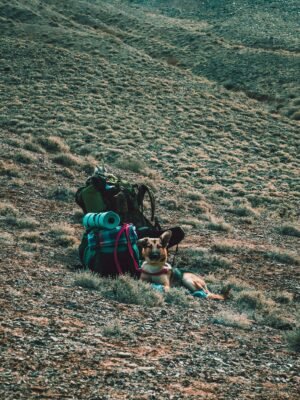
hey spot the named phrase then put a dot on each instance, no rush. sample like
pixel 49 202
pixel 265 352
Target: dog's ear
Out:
pixel 165 238
pixel 142 242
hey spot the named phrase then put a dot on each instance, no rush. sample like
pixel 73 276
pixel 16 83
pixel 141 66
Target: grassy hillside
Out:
pixel 246 45
pixel 143 88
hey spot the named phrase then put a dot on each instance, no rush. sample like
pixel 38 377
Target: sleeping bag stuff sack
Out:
pixel 111 252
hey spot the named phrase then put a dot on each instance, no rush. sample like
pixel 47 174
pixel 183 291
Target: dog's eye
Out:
pixel 149 246
pixel 159 246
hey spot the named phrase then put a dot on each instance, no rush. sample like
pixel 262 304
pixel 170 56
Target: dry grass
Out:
pixel 63 235
pixel 66 160
pixel 218 225
pixel 7 209
pixel 282 257
pixel 21 222
pixel 53 144
pixel 229 318
pixel 180 298
pixel 71 89
pixel 88 280
pixel 24 157
pixel 115 329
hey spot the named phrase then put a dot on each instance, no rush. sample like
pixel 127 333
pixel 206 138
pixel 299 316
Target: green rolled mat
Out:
pixel 105 220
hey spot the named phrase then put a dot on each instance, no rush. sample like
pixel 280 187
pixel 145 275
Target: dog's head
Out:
pixel 155 249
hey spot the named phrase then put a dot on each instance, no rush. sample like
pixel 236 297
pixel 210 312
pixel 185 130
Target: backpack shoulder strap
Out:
pixel 142 190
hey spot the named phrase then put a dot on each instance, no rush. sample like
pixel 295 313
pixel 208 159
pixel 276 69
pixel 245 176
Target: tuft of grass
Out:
pixel 133 165
pixel 115 330
pixel 237 285
pixel 275 319
pixel 53 144
pixel 125 289
pixel 293 340
pixel 289 230
pixel 282 257
pixel 253 300
pixel 200 260
pixel 9 170
pixel 282 297
pixel 224 246
pixel 229 318
pixel 88 280
pixel 63 235
pixel 296 116
pixel 6 238
pixel 171 60
pixel 67 160
pixel 62 194
pixel 194 196
pixel 201 207
pixel 34 147
pixel 22 223
pixel 179 297
pixel 218 225
pixel 194 222
pixel 8 209
pixel 32 237
pixel 243 211
pixel 24 157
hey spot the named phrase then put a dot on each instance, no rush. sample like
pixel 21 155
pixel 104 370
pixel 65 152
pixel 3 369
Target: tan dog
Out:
pixel 195 283
pixel 155 268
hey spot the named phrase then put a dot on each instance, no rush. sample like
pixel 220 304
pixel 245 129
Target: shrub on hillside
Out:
pixel 22 223
pixel 125 289
pixel 133 165
pixel 88 280
pixel 282 257
pixel 289 230
pixel 293 339
pixel 253 300
pixel 67 160
pixel 179 297
pixel 24 157
pixel 53 144
pixel 8 209
pixel 229 318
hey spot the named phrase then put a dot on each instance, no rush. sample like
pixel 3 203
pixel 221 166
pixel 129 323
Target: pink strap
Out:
pixel 130 249
pixel 124 228
pixel 116 250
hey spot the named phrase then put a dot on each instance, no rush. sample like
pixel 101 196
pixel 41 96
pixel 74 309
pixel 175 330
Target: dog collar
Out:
pixel 161 272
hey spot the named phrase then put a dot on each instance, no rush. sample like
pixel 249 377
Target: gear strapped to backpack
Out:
pixel 105 192
pixel 111 252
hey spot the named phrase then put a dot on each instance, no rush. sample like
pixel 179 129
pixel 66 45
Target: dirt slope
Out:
pixel 86 81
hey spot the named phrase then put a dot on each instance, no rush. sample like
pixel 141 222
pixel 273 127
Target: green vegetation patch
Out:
pixel 293 340
pixel 289 230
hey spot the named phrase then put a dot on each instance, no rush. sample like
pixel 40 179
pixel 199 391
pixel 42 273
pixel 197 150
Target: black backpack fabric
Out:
pixel 106 192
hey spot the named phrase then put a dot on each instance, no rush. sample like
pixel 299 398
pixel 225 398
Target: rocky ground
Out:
pixel 77 87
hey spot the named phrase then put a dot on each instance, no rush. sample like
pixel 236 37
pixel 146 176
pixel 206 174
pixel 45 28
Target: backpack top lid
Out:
pixel 102 173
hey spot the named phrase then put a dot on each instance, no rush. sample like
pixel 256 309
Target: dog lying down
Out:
pixel 155 269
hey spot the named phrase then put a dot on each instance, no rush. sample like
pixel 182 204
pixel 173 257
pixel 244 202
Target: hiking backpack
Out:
pixel 111 252
pixel 104 192
pixel 105 251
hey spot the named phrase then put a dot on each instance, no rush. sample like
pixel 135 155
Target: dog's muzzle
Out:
pixel 154 256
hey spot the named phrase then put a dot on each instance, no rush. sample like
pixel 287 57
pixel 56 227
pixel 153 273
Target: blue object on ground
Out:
pixel 158 287
pixel 200 293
